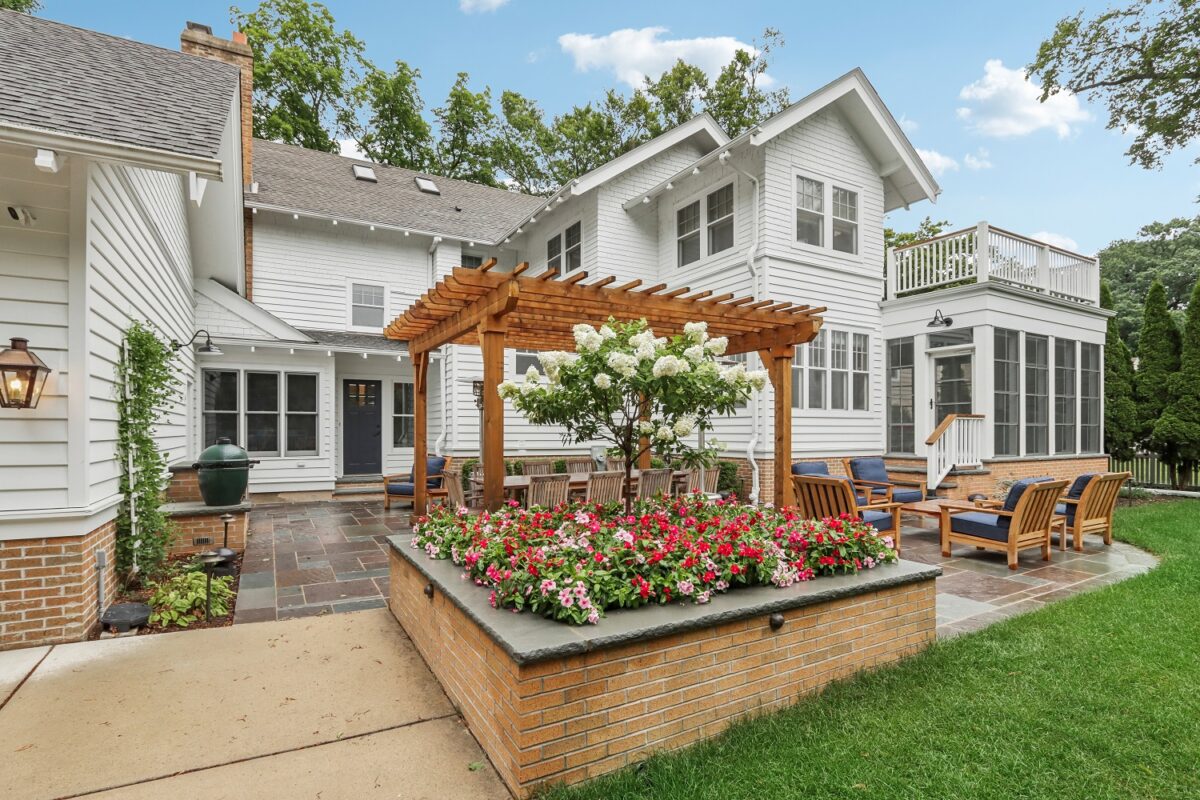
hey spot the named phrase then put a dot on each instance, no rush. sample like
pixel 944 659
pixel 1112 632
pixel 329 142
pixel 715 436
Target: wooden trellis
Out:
pixel 495 310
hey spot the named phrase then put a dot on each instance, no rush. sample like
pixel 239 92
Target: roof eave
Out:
pixel 387 226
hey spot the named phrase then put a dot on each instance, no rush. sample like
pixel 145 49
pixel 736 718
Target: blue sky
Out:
pixel 1020 166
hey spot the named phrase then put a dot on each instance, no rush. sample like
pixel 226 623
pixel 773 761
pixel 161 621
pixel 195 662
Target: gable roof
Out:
pixel 906 178
pixel 292 178
pixel 88 85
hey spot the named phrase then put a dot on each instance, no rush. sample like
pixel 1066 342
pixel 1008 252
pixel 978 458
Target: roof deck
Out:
pixel 987 253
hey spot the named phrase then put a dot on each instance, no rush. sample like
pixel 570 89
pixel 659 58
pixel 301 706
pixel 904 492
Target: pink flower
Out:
pixel 566 598
pixel 548 586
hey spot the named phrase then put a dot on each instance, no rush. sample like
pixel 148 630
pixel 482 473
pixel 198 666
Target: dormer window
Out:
pixel 362 172
pixel 427 186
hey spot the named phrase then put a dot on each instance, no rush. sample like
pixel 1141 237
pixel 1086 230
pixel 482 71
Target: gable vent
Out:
pixel 362 172
pixel 427 186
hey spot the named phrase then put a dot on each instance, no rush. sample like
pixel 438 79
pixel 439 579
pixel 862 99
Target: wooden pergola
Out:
pixel 496 310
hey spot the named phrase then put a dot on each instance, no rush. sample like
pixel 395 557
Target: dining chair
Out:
pixel 710 481
pixel 457 497
pixel 604 487
pixel 548 491
pixel 537 468
pixel 653 483
pixel 576 465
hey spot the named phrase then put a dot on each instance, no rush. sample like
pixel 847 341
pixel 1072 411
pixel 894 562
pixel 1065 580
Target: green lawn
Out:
pixel 1094 697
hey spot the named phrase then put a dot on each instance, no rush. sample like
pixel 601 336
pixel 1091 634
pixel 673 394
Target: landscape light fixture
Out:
pixel 22 375
pixel 206 349
pixel 939 321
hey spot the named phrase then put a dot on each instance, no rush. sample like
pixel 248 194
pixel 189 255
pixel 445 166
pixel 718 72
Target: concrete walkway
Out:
pixel 329 707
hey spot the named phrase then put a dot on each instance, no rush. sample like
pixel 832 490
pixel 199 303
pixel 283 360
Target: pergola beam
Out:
pixel 497 303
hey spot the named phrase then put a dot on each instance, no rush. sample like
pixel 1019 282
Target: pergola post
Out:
pixel 420 441
pixel 778 363
pixel 491 339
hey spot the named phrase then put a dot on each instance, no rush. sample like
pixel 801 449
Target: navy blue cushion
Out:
pixel 1067 510
pixel 869 469
pixel 979 523
pixel 405 489
pixel 1014 496
pixel 434 466
pixel 902 495
pixel 810 468
pixel 1076 490
pixel 880 519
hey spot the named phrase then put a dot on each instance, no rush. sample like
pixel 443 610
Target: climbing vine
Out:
pixel 145 385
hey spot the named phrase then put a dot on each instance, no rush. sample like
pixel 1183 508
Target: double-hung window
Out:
pixel 687 234
pixel 220 405
pixel 1037 394
pixel 798 376
pixel 524 359
pixel 839 370
pixel 402 415
pixel 818 361
pixel 900 412
pixel 554 252
pixel 720 219
pixel 845 220
pixel 1007 376
pixel 1064 396
pixel 262 413
pixel 1090 422
pixel 366 305
pixel 861 375
pixel 810 212
pixel 564 251
pixel 301 415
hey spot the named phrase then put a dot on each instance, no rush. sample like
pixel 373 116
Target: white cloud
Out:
pixel 480 6
pixel 938 164
pixel 908 125
pixel 1004 102
pixel 978 160
pixel 349 149
pixel 1056 239
pixel 632 54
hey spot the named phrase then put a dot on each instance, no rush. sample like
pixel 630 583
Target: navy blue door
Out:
pixel 362 428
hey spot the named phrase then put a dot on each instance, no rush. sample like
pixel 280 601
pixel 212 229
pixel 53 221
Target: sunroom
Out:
pixel 994 354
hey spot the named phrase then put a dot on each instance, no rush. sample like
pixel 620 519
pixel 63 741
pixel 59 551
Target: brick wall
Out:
pixel 48 587
pixel 189 527
pixel 991 481
pixel 184 486
pixel 569 719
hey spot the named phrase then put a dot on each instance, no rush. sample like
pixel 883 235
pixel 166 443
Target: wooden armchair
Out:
pixel 1025 520
pixel 400 487
pixel 654 482
pixel 548 491
pixel 456 497
pixel 830 496
pixel 872 473
pixel 1088 507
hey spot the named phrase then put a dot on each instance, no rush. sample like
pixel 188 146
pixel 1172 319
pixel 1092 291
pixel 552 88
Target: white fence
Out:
pixel 1009 258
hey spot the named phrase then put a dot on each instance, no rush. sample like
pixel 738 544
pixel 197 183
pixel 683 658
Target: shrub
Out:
pixel 180 600
pixel 573 562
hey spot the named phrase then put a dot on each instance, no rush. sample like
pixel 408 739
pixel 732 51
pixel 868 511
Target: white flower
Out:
pixel 717 345
pixel 696 331
pixel 695 353
pixel 733 374
pixel 717 444
pixel 757 378
pixel 664 434
pixel 670 365
pixel 602 380
pixel 607 333
pixel 507 389
pixel 622 363
pixel 684 426
pixel 532 375
pixel 553 361
pixel 645 427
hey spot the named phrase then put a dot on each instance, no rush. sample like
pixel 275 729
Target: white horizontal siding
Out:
pixel 34 298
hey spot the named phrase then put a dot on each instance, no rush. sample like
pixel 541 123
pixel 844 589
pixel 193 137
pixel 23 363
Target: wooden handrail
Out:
pixel 946 422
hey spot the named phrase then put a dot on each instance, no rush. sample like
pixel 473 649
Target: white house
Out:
pixel 294 261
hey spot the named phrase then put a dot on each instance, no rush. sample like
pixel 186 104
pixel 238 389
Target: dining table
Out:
pixel 517 485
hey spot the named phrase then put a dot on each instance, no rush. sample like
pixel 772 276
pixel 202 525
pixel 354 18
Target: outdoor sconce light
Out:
pixel 776 621
pixel 477 390
pixel 939 321
pixel 22 375
pixel 206 349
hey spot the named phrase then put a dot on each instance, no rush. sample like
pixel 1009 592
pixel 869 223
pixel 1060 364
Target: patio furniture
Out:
pixel 831 496
pixel 581 464
pixel 604 487
pixel 612 464
pixel 1024 520
pixel 400 487
pixel 821 468
pixel 547 491
pixel 692 481
pixel 872 472
pixel 537 468
pixel 1088 507
pixel 653 483
pixel 457 497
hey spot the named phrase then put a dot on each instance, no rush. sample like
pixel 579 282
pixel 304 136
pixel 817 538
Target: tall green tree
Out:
pixel 305 72
pixel 677 95
pixel 466 133
pixel 1158 360
pixel 1142 61
pixel 395 131
pixel 1168 252
pixel 586 137
pixel 1120 412
pixel 523 145
pixel 24 6
pixel 736 100
pixel 1179 424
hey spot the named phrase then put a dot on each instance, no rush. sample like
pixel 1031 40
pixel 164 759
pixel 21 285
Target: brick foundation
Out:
pixel 48 587
pixel 184 486
pixel 993 479
pixel 205 524
pixel 566 719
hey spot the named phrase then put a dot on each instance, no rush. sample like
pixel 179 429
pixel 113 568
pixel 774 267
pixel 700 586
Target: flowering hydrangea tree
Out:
pixel 632 389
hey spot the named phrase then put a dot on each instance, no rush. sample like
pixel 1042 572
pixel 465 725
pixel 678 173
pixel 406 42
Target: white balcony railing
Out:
pixel 1009 258
pixel 956 442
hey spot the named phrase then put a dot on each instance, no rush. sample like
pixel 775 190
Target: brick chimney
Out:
pixel 198 40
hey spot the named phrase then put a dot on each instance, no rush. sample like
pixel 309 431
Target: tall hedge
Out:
pixel 1178 429
pixel 1120 412
pixel 1158 360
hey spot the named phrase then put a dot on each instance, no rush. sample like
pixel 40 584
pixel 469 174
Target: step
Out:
pixel 359 479
pixel 350 491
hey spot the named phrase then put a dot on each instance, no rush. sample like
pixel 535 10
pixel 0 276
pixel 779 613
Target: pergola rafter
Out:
pixel 496 309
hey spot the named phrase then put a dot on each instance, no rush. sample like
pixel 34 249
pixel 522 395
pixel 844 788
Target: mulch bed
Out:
pixel 141 594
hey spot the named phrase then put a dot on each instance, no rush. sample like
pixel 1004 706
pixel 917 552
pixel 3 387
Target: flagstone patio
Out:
pixel 310 559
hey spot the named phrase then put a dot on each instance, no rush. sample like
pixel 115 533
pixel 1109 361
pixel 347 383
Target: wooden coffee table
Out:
pixel 933 508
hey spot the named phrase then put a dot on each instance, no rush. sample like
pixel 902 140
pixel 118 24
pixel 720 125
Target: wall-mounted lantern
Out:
pixel 22 376
pixel 206 349
pixel 939 321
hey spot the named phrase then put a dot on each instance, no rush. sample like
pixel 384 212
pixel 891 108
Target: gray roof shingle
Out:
pixel 84 83
pixel 323 183
pixel 356 341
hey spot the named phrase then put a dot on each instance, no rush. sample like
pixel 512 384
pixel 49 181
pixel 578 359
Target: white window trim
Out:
pixel 561 232
pixel 827 183
pixel 701 196
pixel 387 293
pixel 802 405
pixel 282 453
pixel 315 414
pixel 392 446
pixel 520 374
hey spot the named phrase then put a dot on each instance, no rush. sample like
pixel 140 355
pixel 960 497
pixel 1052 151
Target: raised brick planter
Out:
pixel 199 527
pixel 550 702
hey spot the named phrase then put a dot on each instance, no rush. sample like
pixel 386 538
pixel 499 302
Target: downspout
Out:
pixel 439 448
pixel 751 253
